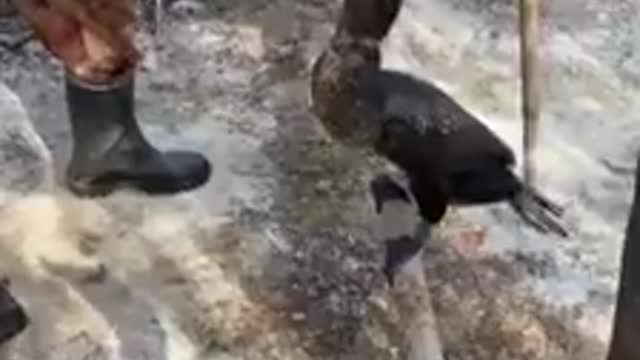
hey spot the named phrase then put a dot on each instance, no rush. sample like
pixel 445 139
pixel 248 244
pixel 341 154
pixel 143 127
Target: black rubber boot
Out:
pixel 13 319
pixel 111 153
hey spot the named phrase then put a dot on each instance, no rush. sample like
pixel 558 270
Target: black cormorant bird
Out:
pixel 448 155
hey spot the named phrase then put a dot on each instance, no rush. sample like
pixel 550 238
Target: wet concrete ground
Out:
pixel 273 259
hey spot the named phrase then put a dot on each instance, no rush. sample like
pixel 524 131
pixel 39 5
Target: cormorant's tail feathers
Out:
pixel 497 183
pixel 545 202
pixel 539 212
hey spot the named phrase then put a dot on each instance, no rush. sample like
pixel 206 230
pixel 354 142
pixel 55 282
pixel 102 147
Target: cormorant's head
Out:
pixel 383 188
pixel 369 18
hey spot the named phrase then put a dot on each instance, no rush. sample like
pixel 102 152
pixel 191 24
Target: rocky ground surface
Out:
pixel 273 259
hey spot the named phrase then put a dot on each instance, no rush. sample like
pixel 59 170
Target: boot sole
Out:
pixel 106 185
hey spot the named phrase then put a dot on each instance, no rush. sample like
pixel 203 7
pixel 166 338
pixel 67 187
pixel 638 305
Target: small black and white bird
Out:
pixel 13 319
pixel 398 224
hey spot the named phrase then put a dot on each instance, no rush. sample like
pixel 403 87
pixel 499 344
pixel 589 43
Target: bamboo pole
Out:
pixel 531 84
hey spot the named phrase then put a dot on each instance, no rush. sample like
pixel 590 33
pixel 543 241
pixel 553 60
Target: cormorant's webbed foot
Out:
pixel 539 212
pixel 397 252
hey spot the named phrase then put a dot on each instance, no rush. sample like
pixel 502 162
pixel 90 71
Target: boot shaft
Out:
pixel 110 150
pixel 87 101
pixel 101 115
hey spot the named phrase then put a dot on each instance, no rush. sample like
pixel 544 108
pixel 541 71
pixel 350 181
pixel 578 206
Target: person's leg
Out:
pixel 109 150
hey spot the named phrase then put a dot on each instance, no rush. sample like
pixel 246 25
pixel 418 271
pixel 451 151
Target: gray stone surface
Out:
pixel 26 161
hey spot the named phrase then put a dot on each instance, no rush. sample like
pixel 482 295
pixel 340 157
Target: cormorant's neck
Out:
pixel 368 18
pixel 355 52
pixel 335 81
pixel 334 71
